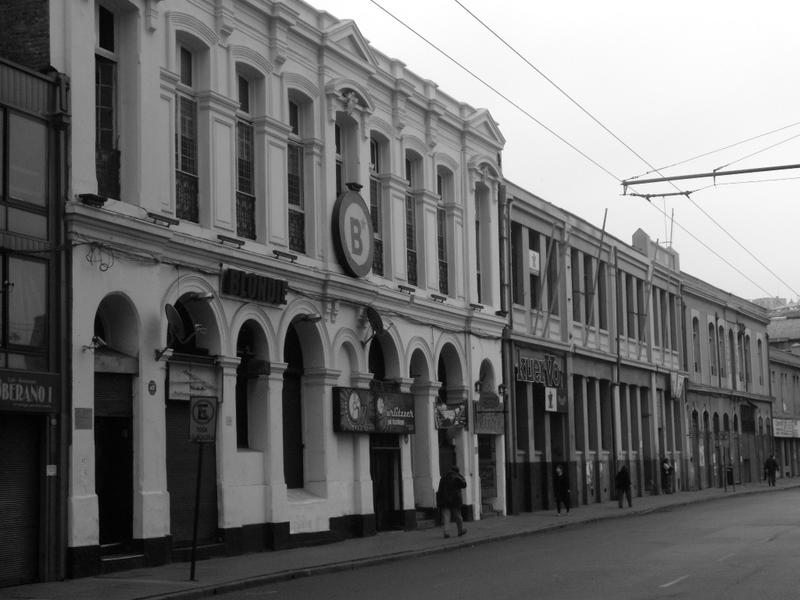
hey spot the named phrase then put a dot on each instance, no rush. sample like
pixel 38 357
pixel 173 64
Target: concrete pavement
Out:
pixel 220 575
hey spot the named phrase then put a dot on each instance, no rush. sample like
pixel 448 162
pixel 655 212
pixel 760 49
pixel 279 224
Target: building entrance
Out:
pixel 113 442
pixel 384 467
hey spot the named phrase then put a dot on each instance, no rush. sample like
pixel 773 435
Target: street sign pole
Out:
pixel 196 508
pixel 202 430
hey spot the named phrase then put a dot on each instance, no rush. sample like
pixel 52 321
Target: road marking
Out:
pixel 673 582
pixel 724 558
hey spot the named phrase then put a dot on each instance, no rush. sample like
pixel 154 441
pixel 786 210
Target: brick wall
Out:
pixel 25 31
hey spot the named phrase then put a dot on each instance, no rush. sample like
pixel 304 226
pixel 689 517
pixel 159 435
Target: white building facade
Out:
pixel 285 244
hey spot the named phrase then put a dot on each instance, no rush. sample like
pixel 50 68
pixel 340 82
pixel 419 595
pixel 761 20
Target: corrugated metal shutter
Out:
pixel 181 480
pixel 20 469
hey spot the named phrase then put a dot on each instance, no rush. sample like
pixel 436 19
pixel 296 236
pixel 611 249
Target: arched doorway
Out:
pixel 384 448
pixel 115 340
pixel 192 373
pixel 452 392
pixel 292 398
pixel 251 349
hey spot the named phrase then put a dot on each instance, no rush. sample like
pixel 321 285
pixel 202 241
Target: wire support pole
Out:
pixel 628 182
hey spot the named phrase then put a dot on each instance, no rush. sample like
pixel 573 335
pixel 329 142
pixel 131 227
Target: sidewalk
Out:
pixel 219 575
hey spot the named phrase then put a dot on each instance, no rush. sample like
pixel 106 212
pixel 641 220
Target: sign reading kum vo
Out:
pixel 367 411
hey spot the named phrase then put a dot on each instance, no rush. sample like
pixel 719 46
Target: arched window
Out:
pixel 378 165
pixel 696 344
pixel 298 167
pixel 413 184
pixel 445 189
pixel 722 355
pixel 712 348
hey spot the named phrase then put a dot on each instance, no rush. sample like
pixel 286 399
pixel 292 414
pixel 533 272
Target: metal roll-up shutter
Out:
pixel 20 468
pixel 181 480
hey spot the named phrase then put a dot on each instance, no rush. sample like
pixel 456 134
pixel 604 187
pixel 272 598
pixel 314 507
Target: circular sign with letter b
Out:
pixel 352 234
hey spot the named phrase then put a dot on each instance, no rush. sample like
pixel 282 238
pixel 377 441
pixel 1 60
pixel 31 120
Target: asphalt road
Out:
pixel 735 548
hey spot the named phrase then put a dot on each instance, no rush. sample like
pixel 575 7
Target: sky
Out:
pixel 643 86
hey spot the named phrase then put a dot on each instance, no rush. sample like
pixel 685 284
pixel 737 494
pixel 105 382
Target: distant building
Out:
pixel 728 392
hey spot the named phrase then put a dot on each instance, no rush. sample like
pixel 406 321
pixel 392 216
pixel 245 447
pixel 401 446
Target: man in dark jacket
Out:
pixel 623 485
pixel 770 468
pixel 561 489
pixel 448 499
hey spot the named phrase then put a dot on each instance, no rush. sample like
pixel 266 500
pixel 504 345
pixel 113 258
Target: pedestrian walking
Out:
pixel 561 489
pixel 448 499
pixel 770 468
pixel 666 476
pixel 623 484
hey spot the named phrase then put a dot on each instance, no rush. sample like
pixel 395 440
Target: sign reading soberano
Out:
pixel 28 391
pixel 367 411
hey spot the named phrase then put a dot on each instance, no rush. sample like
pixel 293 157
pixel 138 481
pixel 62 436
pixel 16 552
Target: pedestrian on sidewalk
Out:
pixel 448 499
pixel 770 468
pixel 561 489
pixel 666 476
pixel 623 484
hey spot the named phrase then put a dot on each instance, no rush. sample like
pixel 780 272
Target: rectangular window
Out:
pixel 588 286
pixel 297 236
pixel 186 66
pixel 376 207
pixel 411 238
pixel 245 184
pixel 186 181
pixel 602 296
pixel 552 276
pixel 24 188
pixel 630 297
pixel 576 284
pixel 105 29
pixel 441 247
pixel 27 302
pixel 337 136
pixel 534 277
pixel 478 258
pixel 641 308
pixel 517 291
pixel 107 158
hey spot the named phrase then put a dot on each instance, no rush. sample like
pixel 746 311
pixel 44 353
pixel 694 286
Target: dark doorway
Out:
pixel 113 440
pixel 20 469
pixel 293 411
pixel 384 467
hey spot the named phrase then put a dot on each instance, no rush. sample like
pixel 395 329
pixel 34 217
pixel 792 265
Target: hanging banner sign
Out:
pixel 450 415
pixel 548 371
pixel 368 411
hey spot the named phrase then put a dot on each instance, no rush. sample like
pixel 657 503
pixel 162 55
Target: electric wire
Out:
pixel 639 156
pixel 496 91
pixel 710 152
pixel 758 152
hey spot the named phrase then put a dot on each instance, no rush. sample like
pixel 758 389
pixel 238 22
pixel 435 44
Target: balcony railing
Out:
pixel 245 215
pixel 297 231
pixel 377 258
pixel 411 266
pixel 186 204
pixel 107 169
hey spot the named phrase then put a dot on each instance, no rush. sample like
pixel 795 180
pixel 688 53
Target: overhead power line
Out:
pixel 572 146
pixel 639 156
pixel 496 91
pixel 710 152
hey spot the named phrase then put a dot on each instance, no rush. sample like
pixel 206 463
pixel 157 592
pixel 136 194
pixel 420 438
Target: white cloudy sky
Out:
pixel 673 80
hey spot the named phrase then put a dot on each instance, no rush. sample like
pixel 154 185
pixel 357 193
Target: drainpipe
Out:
pixel 504 208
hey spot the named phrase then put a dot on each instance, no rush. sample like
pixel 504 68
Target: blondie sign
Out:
pixel 546 370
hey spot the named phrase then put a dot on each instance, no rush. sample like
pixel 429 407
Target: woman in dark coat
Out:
pixel 448 499
pixel 561 489
pixel 623 485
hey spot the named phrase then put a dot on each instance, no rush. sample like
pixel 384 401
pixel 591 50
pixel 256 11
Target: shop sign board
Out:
pixel 786 428
pixel 546 370
pixel 368 411
pixel 187 380
pixel 251 286
pixel 25 391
